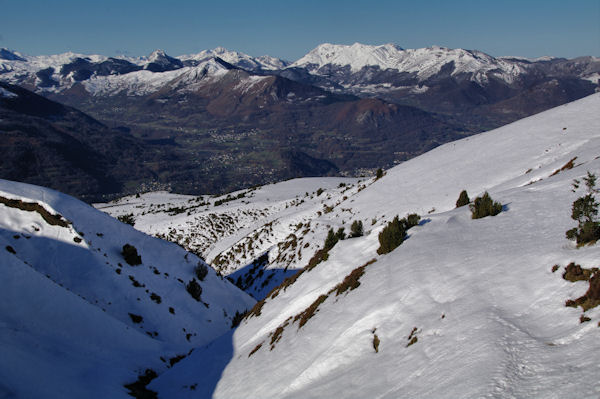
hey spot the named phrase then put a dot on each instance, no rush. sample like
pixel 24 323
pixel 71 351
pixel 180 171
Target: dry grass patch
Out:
pixel 575 272
pixel 412 338
pixel 591 298
pixel 351 281
pixel 256 348
pixel 310 311
pixel 568 165
pixel 376 341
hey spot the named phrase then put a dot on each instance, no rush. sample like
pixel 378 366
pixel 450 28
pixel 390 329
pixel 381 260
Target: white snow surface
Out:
pixel 67 296
pixel 424 62
pixel 488 313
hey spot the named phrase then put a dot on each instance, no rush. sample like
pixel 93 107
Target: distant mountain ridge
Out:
pixel 418 65
pixel 340 109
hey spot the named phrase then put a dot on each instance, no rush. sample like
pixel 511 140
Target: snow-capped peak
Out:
pixel 424 62
pixel 159 61
pixel 238 59
pixel 6 54
pixel 356 55
pixel 157 55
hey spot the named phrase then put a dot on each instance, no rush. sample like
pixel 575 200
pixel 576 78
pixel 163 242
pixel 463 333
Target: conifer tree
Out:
pixel 585 212
pixel 463 199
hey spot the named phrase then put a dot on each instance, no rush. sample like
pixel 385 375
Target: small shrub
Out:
pixel 411 220
pixel 130 255
pixel 379 174
pixel 585 212
pixel 138 389
pixel 237 319
pixel 156 298
pixel 484 206
pixel 412 338
pixel 136 318
pixel 356 229
pixel 575 272
pixel 395 232
pixel 391 236
pixel 376 342
pixel 201 270
pixel 127 219
pixel 463 199
pixel 330 240
pixel 320 191
pixel 176 359
pixel 135 283
pixel 194 289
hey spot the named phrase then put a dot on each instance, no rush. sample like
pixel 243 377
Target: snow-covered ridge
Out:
pixel 73 304
pixel 144 82
pixel 238 59
pixel 133 76
pixel 424 62
pixel 46 72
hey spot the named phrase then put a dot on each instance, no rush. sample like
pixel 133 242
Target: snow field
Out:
pixel 489 313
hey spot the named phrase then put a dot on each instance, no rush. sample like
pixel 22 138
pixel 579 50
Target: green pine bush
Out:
pixel 585 212
pixel 131 255
pixel 484 206
pixel 201 270
pixel 194 289
pixel 356 229
pixel 391 236
pixel 463 199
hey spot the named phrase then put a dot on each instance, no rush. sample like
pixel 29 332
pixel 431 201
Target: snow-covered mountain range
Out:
pixel 345 66
pixel 424 62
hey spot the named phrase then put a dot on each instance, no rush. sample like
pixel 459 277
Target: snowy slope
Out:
pixel 75 318
pixel 480 297
pixel 278 219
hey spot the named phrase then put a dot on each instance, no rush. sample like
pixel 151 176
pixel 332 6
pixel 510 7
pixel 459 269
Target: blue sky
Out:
pixel 289 29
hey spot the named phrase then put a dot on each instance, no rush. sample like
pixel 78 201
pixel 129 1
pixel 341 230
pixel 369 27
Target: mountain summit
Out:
pixel 159 61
